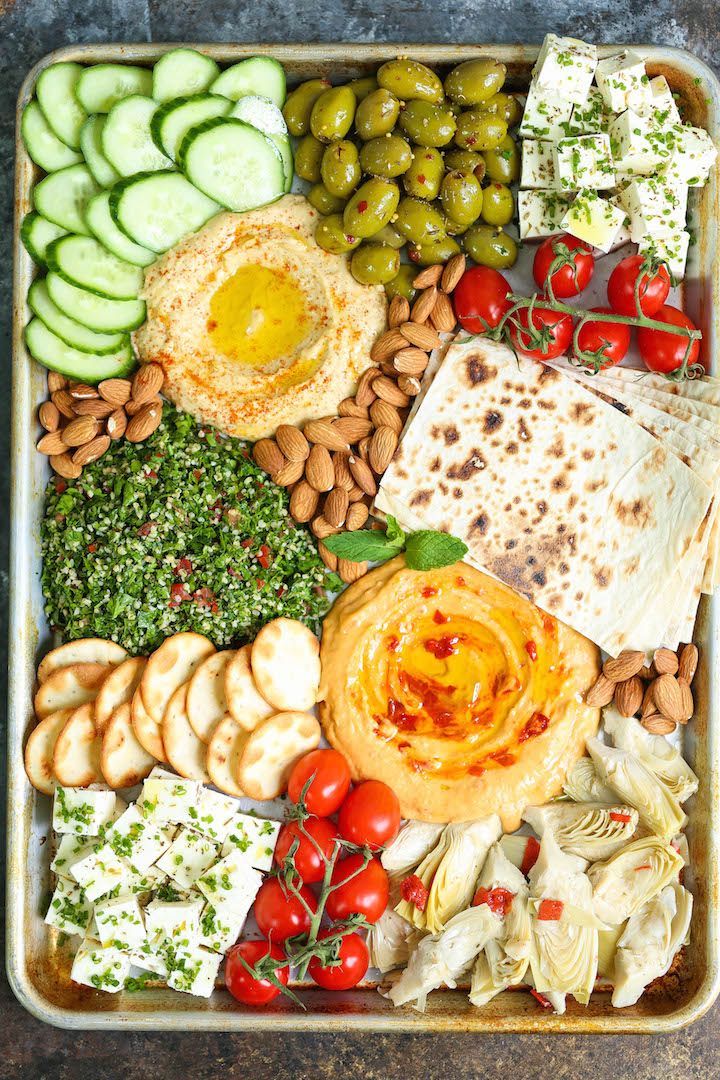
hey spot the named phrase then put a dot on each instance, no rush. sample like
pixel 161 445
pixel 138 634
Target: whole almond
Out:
pixel 268 455
pixel 665 661
pixel 600 693
pixel 421 335
pixel 384 415
pixel 330 560
pixel 362 475
pixel 669 697
pixel 422 308
pixel 657 724
pixel 429 276
pixel 648 706
pixel 80 431
pixel 353 428
pixel 147 382
pixel 410 385
pixel 387 345
pixel 335 507
pixel 91 451
pixel 351 571
pixel 142 426
pixel 363 449
pixel 647 672
pixel 389 370
pixel 349 407
pixel 81 391
pixel 56 381
pixel 688 662
pixel 64 466
pixel 94 407
pixel 624 666
pixel 356 494
pixel 64 404
pixel 290 473
pixel 629 696
pixel 382 448
pixel 454 270
pixel 319 470
pixel 116 391
pixel 52 443
pixel 365 395
pixel 321 528
pixel 117 423
pixel 49 416
pixel 303 501
pixel 410 361
pixel 133 407
pixel 399 311
pixel 292 442
pixel 357 515
pixel 389 391
pixel 442 315
pixel 324 434
pixel 341 469
pixel 687 699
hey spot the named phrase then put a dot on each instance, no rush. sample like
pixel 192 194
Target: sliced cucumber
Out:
pixel 158 209
pixel 105 316
pixel 256 75
pixel 71 332
pixel 50 351
pixel 110 236
pixel 56 96
pixel 181 72
pixel 233 163
pixel 126 139
pixel 103 85
pixel 37 233
pixel 62 197
pixel 82 261
pixel 91 143
pixel 171 122
pixel 42 144
pixel 264 115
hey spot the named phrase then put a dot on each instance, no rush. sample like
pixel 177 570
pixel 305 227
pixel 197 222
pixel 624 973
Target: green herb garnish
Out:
pixel 424 550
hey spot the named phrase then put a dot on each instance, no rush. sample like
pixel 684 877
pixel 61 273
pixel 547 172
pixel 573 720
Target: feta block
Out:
pixel 194 971
pixel 254 838
pixel 584 161
pixel 538 164
pixel 71 849
pixel 566 66
pixel 148 956
pixel 590 116
pixel 83 811
pixel 120 922
pixel 655 207
pixel 691 157
pixel 230 885
pixel 177 920
pixel 656 103
pixel 104 967
pixel 168 798
pixel 70 910
pixel 99 872
pixel 218 932
pixel 594 219
pixel 138 839
pixel 672 250
pixel 639 146
pixel 545 115
pixel 137 881
pixel 189 856
pixel 213 814
pixel 620 76
pixel 540 213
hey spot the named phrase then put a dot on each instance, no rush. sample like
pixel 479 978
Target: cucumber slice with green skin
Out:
pixel 50 351
pixel 105 316
pixel 105 230
pixel 159 209
pixel 82 261
pixel 42 144
pixel 126 139
pixel 91 143
pixel 37 233
pixel 182 72
pixel 264 115
pixel 103 85
pixel 256 75
pixel 62 197
pixel 233 163
pixel 71 332
pixel 55 91
pixel 172 121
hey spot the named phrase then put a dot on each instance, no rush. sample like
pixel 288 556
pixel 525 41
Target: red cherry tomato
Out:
pixel 308 862
pixel 370 815
pixel 654 288
pixel 244 986
pixel 364 894
pixel 279 914
pixel 354 962
pixel 555 327
pixel 576 270
pixel 330 783
pixel 665 352
pixel 608 341
pixel 480 299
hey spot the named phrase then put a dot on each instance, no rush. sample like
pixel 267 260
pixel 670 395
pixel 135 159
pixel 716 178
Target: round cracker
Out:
pixel 147 732
pixel 206 704
pixel 245 702
pixel 40 748
pixel 118 689
pixel 83 651
pixel 271 751
pixel 70 687
pixel 169 667
pixel 223 756
pixel 184 751
pixel 76 758
pixel 285 661
pixel 123 760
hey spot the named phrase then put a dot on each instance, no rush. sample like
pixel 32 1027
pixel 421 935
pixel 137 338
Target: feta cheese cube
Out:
pixel 620 76
pixel 168 798
pixel 589 116
pixel 545 115
pixel 638 145
pixel 70 849
pixel 99 872
pixel 566 66
pixel 213 814
pixel 540 213
pixel 219 932
pixel 538 164
pixel 594 219
pixel 139 840
pixel 120 922
pixel 655 207
pixel 230 885
pixel 137 881
pixel 103 966
pixel 83 811
pixel 671 250
pixel 148 956
pixel 194 971
pixel 254 838
pixel 70 910
pixel 691 157
pixel 584 161
pixel 656 103
pixel 177 920
pixel 622 236
pixel 189 856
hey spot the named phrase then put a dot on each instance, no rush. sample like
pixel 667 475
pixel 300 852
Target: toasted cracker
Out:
pixel 83 651
pixel 285 661
pixel 223 755
pixel 184 751
pixel 118 689
pixel 40 748
pixel 245 702
pixel 76 758
pixel 123 760
pixel 147 732
pixel 206 704
pixel 70 687
pixel 272 750
pixel 169 667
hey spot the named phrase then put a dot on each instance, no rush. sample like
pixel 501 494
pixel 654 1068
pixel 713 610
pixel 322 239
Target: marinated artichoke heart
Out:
pixel 656 753
pixel 649 943
pixel 387 941
pixel 515 848
pixel 410 846
pixel 506 957
pixel 607 948
pixel 636 785
pixel 631 877
pixel 591 830
pixel 582 784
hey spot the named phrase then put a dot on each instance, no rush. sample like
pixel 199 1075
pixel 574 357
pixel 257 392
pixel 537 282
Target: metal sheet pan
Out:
pixel 37 964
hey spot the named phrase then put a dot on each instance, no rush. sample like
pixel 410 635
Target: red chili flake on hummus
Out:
pixel 535 726
pixel 439 618
pixel 531 650
pixel 443 647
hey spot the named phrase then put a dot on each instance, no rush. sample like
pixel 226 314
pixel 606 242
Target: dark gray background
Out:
pixel 29 29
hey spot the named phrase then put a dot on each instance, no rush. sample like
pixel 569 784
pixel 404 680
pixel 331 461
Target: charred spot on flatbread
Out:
pixel 478 370
pixel 603 576
pixel 493 420
pixel 451 435
pixel 480 524
pixel 474 463
pixel 638 512
pixel 523 430
pixel 421 498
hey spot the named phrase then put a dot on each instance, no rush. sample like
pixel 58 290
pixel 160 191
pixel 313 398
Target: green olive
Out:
pixel 506 106
pixel 498 204
pixel 389 236
pixel 333 113
pixel 428 124
pixel 439 251
pixel 490 247
pixel 461 197
pixel 402 283
pixel 363 86
pixel 376 114
pixel 325 203
pixel 475 80
pixel 425 174
pixel 388 156
pixel 308 157
pixel 340 168
pixel 410 80
pixel 374 264
pixel 300 101
pixel 465 161
pixel 503 163
pixel 330 235
pixel 479 130
pixel 371 207
pixel 418 221
pixel 455 228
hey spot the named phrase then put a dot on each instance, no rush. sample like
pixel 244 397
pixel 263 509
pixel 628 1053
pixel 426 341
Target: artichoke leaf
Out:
pixel 656 753
pixel 591 830
pixel 627 880
pixel 607 948
pixel 506 957
pixel 583 784
pixel 388 941
pixel 649 943
pixel 515 848
pixel 636 785
pixel 410 846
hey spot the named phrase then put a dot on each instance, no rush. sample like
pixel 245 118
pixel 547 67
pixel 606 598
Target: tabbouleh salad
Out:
pixel 182 532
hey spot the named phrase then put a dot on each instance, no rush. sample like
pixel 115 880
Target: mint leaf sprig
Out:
pixel 424 550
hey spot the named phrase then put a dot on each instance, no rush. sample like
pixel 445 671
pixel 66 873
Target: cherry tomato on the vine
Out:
pixel 609 341
pixel 555 328
pixel 654 288
pixel 330 783
pixel 663 352
pixel 242 984
pixel 576 265
pixel 354 962
pixel 308 862
pixel 370 815
pixel 364 894
pixel 279 913
pixel 481 299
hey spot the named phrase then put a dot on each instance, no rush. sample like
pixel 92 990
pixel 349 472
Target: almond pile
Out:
pixel 81 421
pixel 332 465
pixel 659 693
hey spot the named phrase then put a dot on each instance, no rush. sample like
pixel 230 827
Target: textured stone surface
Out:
pixel 29 29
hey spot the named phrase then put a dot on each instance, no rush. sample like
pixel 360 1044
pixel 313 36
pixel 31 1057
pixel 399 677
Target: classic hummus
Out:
pixel 461 695
pixel 255 325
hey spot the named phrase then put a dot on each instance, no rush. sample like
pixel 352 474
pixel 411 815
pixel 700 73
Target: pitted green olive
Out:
pixel 428 124
pixel 410 80
pixel 418 221
pixel 475 81
pixel 455 228
pixel 503 162
pixel 479 130
pixel 375 264
pixel 376 114
pixel 425 174
pixel 371 207
pixel 402 283
pixel 308 158
pixel 388 156
pixel 461 197
pixel 498 204
pixel 363 86
pixel 333 113
pixel 298 106
pixel 340 168
pixel 465 161
pixel 490 247
pixel 325 203
pixel 438 251
pixel 389 236
pixel 331 236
